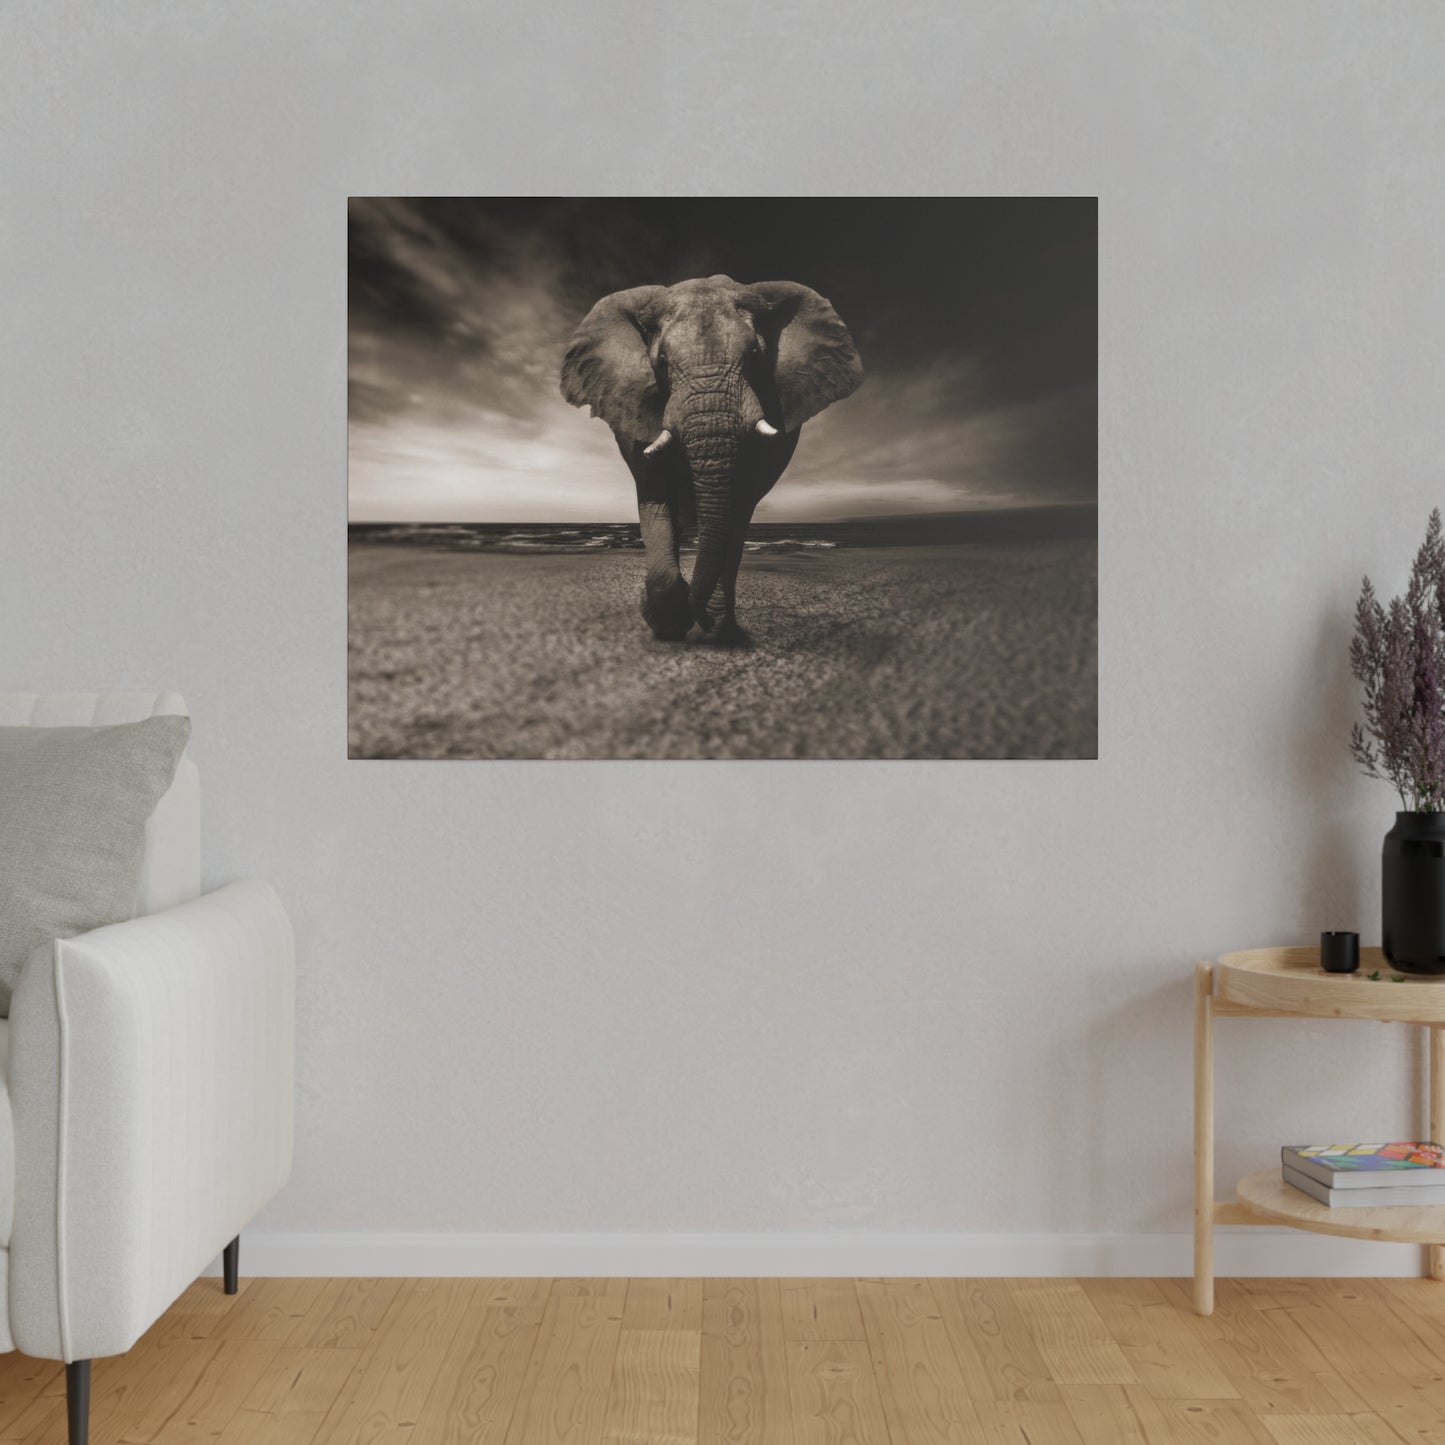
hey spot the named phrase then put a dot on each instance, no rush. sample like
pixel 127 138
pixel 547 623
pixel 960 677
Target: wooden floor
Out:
pixel 765 1362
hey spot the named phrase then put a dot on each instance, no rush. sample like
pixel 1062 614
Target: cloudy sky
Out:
pixel 976 320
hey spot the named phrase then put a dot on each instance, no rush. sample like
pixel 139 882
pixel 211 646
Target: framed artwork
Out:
pixel 722 478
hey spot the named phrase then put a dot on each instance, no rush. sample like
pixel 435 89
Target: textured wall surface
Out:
pixel 750 996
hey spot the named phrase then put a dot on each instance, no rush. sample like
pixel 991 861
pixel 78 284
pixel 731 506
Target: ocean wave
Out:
pixel 526 543
pixel 786 544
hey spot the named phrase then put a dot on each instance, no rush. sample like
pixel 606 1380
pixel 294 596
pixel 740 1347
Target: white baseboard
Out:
pixel 1247 1252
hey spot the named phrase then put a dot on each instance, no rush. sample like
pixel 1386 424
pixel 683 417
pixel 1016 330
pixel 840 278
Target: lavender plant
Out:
pixel 1398 653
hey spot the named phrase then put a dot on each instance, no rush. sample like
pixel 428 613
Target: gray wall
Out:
pixel 750 997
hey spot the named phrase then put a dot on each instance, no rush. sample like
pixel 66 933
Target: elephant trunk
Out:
pixel 711 425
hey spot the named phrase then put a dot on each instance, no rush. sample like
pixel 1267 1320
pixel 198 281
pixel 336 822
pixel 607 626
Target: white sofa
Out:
pixel 148 1071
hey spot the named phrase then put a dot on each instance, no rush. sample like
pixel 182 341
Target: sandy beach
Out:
pixel 979 650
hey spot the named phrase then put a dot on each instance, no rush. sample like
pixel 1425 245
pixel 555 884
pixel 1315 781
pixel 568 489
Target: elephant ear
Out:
pixel 607 366
pixel 817 363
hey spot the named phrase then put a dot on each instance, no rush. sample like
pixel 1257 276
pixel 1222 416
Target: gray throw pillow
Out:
pixel 73 809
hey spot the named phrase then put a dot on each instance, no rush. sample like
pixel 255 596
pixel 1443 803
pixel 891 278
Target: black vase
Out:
pixel 1414 893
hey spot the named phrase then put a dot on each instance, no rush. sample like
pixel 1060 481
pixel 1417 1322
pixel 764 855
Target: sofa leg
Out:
pixel 231 1264
pixel 77 1401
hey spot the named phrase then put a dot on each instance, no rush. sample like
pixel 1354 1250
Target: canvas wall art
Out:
pixel 722 478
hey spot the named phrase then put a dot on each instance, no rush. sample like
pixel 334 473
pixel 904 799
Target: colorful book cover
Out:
pixel 1365 1158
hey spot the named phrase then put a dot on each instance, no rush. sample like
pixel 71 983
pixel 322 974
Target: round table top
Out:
pixel 1290 980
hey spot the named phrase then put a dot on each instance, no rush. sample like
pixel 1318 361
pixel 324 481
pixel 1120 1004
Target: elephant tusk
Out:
pixel 765 430
pixel 663 437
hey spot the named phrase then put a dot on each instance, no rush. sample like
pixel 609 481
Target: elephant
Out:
pixel 706 385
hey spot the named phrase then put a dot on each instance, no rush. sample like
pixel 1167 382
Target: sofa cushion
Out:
pixel 171 872
pixel 73 809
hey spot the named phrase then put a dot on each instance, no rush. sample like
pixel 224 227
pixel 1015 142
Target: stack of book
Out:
pixel 1367 1176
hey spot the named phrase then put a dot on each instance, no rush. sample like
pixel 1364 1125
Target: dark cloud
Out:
pixel 976 320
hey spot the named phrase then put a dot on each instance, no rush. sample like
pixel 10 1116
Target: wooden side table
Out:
pixel 1289 983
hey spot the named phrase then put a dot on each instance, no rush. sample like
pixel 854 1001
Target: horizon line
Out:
pixel 763 521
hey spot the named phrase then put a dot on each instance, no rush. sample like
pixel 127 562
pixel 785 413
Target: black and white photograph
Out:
pixel 722 478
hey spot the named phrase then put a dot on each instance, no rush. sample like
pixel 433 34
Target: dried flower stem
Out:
pixel 1398 654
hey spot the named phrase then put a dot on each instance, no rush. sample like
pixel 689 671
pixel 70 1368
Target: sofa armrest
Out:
pixel 151 1081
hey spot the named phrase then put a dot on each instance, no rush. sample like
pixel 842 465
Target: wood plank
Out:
pixel 1164 1345
pixel 565 1396
pixel 1276 1292
pixel 288 1403
pixel 1414 1408
pixel 919 1287
pixel 1422 1297
pixel 663 1304
pixel 301 1380
pixel 44 1421
pixel 346 1315
pixel 597 1288
pixel 1205 1422
pixel 136 1403
pixel 1334 1337
pixel 925 1397
pixel 1269 1376
pixel 174 1327
pixel 1421 1312
pixel 1107 1413
pixel 834 1395
pixel 654 1388
pixel 45 1409
pixel 995 1349
pixel 1330 1430
pixel 383 1398
pixel 514 1291
pixel 821 1309
pixel 480 1381
pixel 207 1297
pixel 272 1309
pixel 24 1380
pixel 1256 1313
pixel 1072 1339
pixel 1028 1422
pixel 743 1372
pixel 1410 1347
pixel 230 1374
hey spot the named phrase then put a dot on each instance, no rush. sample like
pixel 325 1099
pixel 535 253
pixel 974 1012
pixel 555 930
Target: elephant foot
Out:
pixel 667 611
pixel 729 634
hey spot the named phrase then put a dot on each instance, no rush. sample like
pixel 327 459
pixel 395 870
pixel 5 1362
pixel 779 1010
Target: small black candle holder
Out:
pixel 1340 952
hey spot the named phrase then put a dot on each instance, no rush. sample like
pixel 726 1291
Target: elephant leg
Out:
pixel 729 633
pixel 665 604
pixel 664 594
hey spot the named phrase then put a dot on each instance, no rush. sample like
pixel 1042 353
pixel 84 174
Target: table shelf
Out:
pixel 1267 1196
